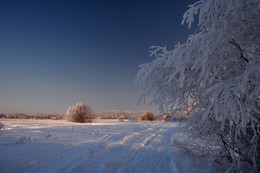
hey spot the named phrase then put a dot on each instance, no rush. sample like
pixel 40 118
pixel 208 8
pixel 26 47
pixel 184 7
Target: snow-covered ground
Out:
pixel 34 146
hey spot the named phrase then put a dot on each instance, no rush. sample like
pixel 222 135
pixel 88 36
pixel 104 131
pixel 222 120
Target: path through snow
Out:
pixel 105 146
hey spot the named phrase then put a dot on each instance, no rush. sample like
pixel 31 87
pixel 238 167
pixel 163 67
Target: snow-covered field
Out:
pixel 34 146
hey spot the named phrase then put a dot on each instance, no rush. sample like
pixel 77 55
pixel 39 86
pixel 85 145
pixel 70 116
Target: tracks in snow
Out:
pixel 123 148
pixel 146 149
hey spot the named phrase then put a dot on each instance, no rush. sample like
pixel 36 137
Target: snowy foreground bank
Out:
pixel 108 146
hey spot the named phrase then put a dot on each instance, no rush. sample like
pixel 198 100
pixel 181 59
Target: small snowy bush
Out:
pixel 80 113
pixel 167 117
pixel 148 116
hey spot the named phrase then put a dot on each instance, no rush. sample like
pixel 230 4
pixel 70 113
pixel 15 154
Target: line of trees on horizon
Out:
pixel 82 112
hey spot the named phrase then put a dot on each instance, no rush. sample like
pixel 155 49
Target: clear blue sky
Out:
pixel 54 53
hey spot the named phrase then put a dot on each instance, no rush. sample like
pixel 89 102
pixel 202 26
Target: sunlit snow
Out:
pixel 103 146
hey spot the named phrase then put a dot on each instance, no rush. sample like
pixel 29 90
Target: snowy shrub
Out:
pixel 167 117
pixel 216 73
pixel 79 113
pixel 120 118
pixel 148 116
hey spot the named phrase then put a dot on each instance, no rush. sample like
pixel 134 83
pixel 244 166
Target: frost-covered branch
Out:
pixel 217 68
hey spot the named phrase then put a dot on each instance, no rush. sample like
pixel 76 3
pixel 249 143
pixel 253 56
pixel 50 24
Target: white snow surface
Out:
pixel 109 146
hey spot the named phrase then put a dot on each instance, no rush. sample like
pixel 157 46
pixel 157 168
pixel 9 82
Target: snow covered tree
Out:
pixel 80 113
pixel 217 73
